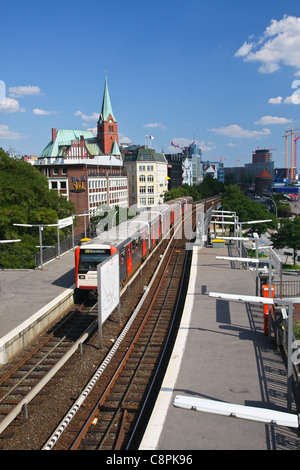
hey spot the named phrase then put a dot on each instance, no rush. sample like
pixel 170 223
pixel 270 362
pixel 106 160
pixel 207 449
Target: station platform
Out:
pixel 221 353
pixel 28 296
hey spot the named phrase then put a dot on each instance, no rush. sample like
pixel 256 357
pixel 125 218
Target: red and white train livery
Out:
pixel 133 239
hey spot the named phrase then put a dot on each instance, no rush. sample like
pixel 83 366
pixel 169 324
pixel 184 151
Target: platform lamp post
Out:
pixel 250 222
pixel 41 228
pixel 85 215
pixel 275 205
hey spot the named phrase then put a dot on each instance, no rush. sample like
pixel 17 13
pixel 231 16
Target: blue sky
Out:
pixel 225 73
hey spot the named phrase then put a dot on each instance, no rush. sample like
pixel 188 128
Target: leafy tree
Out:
pixel 26 199
pixel 288 235
pixel 282 204
pixel 235 200
pixel 209 187
pixel 174 193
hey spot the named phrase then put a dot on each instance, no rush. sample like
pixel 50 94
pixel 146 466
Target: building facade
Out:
pixel 185 167
pixel 192 167
pixel 87 169
pixel 175 170
pixel 147 177
pixel 261 160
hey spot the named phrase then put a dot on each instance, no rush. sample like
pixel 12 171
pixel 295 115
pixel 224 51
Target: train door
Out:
pixel 153 233
pixel 129 258
pixel 144 242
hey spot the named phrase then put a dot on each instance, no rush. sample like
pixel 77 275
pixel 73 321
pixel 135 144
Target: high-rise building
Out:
pixel 261 160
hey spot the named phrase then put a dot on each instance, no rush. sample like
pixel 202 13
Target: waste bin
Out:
pixel 218 243
pixel 265 289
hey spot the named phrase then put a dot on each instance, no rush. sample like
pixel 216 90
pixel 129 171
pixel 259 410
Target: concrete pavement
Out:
pixel 221 353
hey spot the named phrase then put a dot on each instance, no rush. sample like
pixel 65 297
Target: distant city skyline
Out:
pixel 225 74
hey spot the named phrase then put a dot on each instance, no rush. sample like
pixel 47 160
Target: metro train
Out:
pixel 133 239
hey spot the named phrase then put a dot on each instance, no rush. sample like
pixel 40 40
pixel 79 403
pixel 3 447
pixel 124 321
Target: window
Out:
pixel 55 171
pixel 150 189
pixel 142 189
pixel 142 178
pixel 142 201
pixel 53 184
pixel 63 185
pixel 150 178
pixel 150 200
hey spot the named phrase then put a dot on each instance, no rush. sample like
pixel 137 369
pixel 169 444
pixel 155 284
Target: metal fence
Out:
pixel 290 289
pixel 54 251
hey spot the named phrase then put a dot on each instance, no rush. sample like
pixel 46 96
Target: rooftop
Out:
pixel 63 140
pixel 145 155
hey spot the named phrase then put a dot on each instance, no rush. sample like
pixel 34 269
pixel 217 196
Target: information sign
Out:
pixel 108 279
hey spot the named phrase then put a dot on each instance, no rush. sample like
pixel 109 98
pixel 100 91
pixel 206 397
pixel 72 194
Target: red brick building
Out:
pixel 87 169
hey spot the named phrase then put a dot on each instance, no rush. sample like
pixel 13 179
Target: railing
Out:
pixel 290 289
pixel 53 251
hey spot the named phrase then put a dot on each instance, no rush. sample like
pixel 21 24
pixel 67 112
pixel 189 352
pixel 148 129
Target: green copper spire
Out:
pixel 106 104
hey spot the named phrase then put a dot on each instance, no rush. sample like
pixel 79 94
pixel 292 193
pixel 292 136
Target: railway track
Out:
pixel 131 407
pixel 46 398
pixel 26 377
pixel 119 414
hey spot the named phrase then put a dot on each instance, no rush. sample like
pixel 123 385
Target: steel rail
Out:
pixel 158 368
pixel 23 404
pixel 38 347
pixel 102 399
pixel 73 410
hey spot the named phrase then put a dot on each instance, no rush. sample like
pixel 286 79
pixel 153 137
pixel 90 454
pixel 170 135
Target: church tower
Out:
pixel 107 133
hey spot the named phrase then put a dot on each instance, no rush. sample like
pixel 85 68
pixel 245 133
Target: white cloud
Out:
pixel 86 117
pixel 6 133
pixel 238 132
pixel 280 44
pixel 277 100
pixel 42 112
pixel 185 142
pixel 266 120
pixel 244 49
pixel 155 125
pixel 125 140
pixel 288 100
pixel 93 129
pixel 18 91
pixel 10 105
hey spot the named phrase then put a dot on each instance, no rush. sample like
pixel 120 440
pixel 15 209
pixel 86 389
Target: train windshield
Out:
pixel 90 258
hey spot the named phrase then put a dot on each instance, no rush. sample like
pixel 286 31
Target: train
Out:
pixel 133 239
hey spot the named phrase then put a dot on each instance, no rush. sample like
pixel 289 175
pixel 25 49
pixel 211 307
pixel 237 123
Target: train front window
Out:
pixel 90 258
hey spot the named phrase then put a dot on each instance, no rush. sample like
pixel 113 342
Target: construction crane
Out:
pixel 295 140
pixel 291 131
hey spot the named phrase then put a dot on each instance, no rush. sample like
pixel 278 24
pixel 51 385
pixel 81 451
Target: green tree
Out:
pixel 288 235
pixel 26 199
pixel 209 187
pixel 235 200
